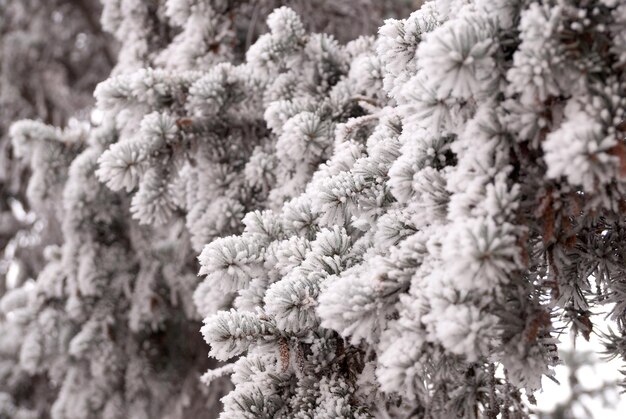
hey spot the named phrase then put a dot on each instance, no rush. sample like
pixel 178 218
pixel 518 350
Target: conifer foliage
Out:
pixel 422 269
pixel 390 227
pixel 110 324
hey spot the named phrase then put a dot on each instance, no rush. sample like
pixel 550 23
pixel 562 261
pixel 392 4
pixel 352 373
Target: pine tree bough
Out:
pixel 391 227
pixel 447 233
pixel 180 143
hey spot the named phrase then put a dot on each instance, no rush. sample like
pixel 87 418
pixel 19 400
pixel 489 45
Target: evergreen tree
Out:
pixel 448 229
pixel 183 146
pixel 390 226
pixel 52 55
pixel 45 74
